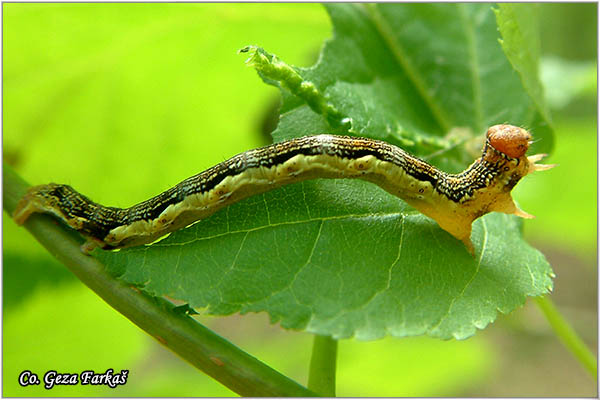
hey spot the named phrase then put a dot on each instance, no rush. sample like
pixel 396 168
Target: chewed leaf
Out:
pixel 345 258
pixel 275 71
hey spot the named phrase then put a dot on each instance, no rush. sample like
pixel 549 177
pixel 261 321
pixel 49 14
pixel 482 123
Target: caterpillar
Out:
pixel 454 201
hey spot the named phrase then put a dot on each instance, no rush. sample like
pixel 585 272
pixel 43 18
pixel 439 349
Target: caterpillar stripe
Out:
pixel 454 201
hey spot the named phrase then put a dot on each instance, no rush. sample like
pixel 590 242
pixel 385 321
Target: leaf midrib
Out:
pixel 403 60
pixel 286 223
pixel 474 66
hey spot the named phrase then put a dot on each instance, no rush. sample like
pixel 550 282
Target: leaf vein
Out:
pixel 462 292
pixel 403 60
pixel 266 226
pixel 474 67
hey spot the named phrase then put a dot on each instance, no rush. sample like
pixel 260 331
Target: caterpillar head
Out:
pixel 509 139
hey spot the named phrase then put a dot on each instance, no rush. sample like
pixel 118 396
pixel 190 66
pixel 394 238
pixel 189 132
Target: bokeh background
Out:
pixel 124 100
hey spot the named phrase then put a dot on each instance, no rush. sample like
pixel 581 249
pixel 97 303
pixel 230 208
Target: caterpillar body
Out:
pixel 454 201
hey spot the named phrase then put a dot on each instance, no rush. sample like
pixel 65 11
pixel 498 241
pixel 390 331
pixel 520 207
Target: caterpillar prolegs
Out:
pixel 454 201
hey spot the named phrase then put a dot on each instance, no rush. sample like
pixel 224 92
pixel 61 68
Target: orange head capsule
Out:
pixel 509 139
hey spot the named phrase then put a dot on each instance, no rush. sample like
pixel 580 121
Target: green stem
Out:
pixel 198 345
pixel 567 335
pixel 321 376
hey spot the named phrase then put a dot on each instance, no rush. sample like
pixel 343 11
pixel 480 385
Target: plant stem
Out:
pixel 198 345
pixel 321 376
pixel 568 336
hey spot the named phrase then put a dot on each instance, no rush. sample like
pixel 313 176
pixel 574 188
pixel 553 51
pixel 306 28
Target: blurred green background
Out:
pixel 124 100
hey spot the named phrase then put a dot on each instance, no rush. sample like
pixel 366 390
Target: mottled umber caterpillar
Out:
pixel 453 200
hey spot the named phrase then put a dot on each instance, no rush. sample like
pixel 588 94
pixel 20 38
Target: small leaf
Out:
pixel 344 258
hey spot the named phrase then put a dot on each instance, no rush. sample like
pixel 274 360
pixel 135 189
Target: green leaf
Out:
pixel 518 24
pixel 344 258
